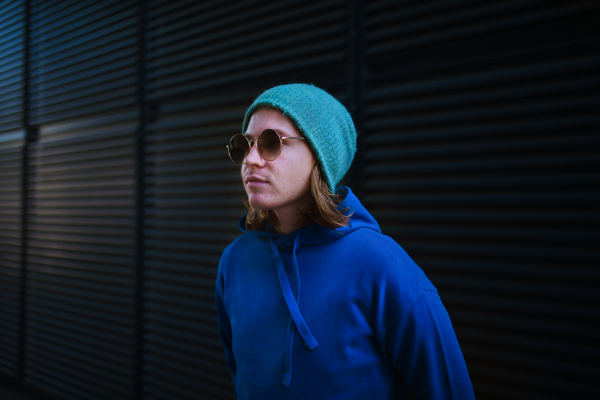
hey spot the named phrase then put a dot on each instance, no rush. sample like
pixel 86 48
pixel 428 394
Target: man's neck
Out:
pixel 289 217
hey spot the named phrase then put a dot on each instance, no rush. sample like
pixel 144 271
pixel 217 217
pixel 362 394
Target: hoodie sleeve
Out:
pixel 423 348
pixel 224 322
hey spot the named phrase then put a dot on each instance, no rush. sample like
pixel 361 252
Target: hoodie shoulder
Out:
pixel 387 260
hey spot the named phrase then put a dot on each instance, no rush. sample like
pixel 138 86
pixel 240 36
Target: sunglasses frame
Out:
pixel 252 142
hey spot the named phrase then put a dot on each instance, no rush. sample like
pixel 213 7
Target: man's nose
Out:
pixel 253 157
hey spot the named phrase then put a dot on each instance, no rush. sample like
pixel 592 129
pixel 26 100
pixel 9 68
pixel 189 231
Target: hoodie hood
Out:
pixel 309 235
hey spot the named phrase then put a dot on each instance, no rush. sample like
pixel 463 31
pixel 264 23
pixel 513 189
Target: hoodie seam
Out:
pixel 384 337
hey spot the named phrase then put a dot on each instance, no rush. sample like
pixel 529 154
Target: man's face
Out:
pixel 285 181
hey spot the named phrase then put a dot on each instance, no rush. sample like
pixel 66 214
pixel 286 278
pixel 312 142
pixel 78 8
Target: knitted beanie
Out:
pixel 322 119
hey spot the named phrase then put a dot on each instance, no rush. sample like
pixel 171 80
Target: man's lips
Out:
pixel 255 181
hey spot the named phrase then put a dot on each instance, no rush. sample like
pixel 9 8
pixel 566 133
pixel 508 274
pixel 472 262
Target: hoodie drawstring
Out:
pixel 292 303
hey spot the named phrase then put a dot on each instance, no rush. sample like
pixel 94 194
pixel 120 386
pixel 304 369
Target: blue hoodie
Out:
pixel 334 314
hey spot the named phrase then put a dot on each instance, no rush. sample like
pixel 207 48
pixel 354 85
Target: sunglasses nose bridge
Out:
pixel 253 144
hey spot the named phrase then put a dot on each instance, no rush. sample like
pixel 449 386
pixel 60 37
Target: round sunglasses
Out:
pixel 269 144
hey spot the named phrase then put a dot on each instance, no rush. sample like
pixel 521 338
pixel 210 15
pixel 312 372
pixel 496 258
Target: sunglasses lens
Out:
pixel 269 145
pixel 238 149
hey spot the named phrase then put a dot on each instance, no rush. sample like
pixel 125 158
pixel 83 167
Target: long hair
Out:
pixel 323 210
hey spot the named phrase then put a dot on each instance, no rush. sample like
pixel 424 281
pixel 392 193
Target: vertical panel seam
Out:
pixel 24 194
pixel 140 203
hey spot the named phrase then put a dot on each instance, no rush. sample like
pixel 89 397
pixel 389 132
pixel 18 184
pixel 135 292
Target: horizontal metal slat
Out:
pixel 276 20
pixel 181 290
pixel 206 79
pixel 163 389
pixel 504 182
pixel 73 343
pixel 173 267
pixel 524 72
pixel 190 236
pixel 207 256
pixel 56 386
pixel 52 81
pixel 206 57
pixel 45 8
pixel 206 68
pixel 89 383
pixel 95 89
pixel 168 279
pixel 107 50
pixel 205 382
pixel 91 232
pixel 213 213
pixel 167 340
pixel 519 92
pixel 534 307
pixel 85 38
pixel 106 154
pixel 550 290
pixel 106 101
pixel 58 287
pixel 69 361
pixel 9 9
pixel 11 258
pixel 535 385
pixel 81 41
pixel 100 337
pixel 69 299
pixel 59 310
pixel 184 302
pixel 114 104
pixel 80 246
pixel 190 368
pixel 92 267
pixel 179 182
pixel 73 17
pixel 170 250
pixel 466 30
pixel 525 324
pixel 74 356
pixel 45 11
pixel 108 289
pixel 500 251
pixel 424 17
pixel 12 36
pixel 482 165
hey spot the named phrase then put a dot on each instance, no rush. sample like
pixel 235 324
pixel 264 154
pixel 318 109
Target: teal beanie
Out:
pixel 322 119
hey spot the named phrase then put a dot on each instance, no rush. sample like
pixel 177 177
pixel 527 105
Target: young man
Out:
pixel 313 301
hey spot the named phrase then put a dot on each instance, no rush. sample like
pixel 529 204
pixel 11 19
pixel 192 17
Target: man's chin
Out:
pixel 259 202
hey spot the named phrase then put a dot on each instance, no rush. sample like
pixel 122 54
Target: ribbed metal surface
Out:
pixel 83 58
pixel 195 46
pixel 10 253
pixel 12 35
pixel 481 158
pixel 193 200
pixel 80 259
pixel 12 38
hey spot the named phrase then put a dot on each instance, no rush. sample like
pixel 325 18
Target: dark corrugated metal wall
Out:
pixel 491 182
pixel 80 332
pixel 477 153
pixel 12 46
